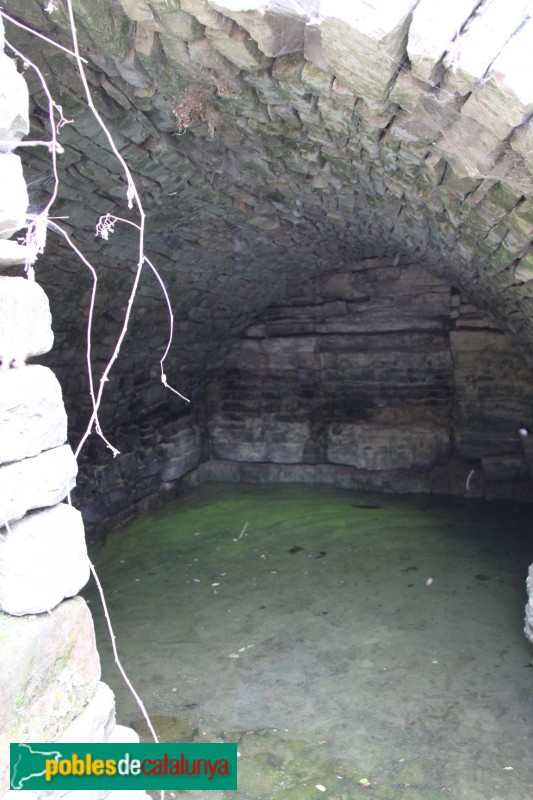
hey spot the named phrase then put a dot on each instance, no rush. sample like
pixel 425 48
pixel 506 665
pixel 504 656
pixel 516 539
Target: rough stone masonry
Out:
pixel 339 200
pixel 50 687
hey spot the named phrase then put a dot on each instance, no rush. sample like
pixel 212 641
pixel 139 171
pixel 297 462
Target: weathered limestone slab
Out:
pixel 37 482
pixel 181 454
pixel 14 122
pixel 32 414
pixel 432 30
pixel 25 319
pixel 279 27
pixel 13 195
pixel 492 27
pixel 43 559
pixel 96 723
pixel 364 43
pixel 505 98
pixel 238 47
pixel 50 671
pixel 258 439
pixel 374 447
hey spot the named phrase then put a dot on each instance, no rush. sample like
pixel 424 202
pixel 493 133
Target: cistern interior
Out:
pixel 307 225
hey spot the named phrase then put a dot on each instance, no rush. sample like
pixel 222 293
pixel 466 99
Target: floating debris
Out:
pixel 429 581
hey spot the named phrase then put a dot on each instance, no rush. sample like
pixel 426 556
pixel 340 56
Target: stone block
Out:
pixel 96 723
pixel 32 414
pixel 258 439
pixel 12 253
pixel 276 33
pixel 238 47
pixel 180 24
pixel 13 195
pixel 37 482
pixel 364 42
pixel 139 11
pixel 313 50
pixel 487 33
pixel 522 143
pixel 524 270
pixel 203 54
pixel 181 455
pixel 505 467
pixel 50 671
pixel 469 146
pixel 316 80
pixel 25 319
pixel 377 447
pixel 432 30
pixel 203 12
pixel 14 102
pixel 504 99
pixel 43 559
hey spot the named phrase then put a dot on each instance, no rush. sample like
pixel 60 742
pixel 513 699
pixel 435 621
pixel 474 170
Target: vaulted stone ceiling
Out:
pixel 273 142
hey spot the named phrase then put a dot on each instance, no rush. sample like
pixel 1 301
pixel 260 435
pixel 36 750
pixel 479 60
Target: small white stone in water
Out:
pixel 509 769
pixel 174 689
pixel 215 584
pixel 196 580
pixel 137 579
pixel 320 787
pixel 429 581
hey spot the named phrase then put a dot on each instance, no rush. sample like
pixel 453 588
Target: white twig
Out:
pixel 115 654
pixel 95 401
pixel 36 234
pixel 241 534
pixel 106 226
pixel 40 35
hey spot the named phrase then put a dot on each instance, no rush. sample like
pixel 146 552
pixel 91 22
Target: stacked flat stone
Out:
pixel 50 688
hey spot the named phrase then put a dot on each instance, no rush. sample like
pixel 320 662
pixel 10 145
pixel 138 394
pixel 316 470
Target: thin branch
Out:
pixel 115 654
pixel 104 227
pixel 40 35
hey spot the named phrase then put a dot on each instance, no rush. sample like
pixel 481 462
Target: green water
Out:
pixel 337 644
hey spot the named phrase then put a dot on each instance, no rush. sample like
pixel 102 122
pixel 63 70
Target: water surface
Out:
pixel 369 644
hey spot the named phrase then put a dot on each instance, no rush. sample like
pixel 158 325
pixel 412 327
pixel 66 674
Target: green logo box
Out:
pixel 123 766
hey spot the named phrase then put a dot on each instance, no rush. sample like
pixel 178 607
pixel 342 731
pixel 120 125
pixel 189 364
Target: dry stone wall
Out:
pixel 349 373
pixel 50 688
